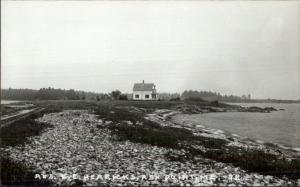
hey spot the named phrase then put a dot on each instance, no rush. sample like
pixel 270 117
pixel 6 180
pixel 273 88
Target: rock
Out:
pixel 128 122
pixel 258 109
pixel 108 122
pixel 119 152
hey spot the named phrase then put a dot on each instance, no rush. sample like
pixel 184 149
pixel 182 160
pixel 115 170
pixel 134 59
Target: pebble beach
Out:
pixel 75 149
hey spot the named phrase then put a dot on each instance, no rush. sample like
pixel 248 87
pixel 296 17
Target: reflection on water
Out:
pixel 5 102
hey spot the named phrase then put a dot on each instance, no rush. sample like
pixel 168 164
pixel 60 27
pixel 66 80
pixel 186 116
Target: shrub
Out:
pixel 214 103
pixel 115 94
pixel 123 97
pixel 175 99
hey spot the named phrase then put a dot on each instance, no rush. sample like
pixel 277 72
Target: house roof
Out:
pixel 143 87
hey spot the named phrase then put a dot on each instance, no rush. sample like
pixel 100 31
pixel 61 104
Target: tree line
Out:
pixel 50 94
pixel 71 94
pixel 213 96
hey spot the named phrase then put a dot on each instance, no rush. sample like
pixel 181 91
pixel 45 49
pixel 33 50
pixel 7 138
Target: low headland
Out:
pixel 134 141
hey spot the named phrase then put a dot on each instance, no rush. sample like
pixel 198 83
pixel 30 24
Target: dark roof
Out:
pixel 143 87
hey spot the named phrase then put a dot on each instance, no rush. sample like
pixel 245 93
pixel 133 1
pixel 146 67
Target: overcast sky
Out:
pixel 229 47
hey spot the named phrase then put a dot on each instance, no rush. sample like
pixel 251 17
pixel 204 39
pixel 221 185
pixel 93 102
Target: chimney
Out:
pixel 143 82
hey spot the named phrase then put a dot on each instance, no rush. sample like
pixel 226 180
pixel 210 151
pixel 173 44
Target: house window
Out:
pixel 137 96
pixel 147 96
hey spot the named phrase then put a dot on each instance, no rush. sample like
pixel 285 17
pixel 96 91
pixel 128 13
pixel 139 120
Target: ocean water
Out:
pixel 279 127
pixel 5 102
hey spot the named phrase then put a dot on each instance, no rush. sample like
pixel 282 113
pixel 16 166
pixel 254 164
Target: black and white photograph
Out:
pixel 150 93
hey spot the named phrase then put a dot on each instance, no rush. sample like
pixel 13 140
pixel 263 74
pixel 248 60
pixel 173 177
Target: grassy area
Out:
pixel 110 104
pixel 110 113
pixel 59 105
pixel 17 132
pixel 150 132
pixel 7 110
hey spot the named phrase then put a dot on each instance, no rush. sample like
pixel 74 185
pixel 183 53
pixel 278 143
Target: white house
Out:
pixel 144 91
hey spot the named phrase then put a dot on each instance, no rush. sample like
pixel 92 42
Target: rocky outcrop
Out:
pixel 194 109
pixel 256 109
pixel 174 119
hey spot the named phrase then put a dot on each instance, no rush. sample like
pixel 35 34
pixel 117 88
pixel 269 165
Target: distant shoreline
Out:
pixel 9 101
pixel 264 101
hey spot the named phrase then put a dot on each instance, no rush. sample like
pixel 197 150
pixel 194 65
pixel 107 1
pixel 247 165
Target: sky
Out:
pixel 230 47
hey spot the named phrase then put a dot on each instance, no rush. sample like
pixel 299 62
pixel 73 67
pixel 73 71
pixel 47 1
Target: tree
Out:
pixel 97 98
pixel 71 94
pixel 123 97
pixel 115 94
pixel 83 96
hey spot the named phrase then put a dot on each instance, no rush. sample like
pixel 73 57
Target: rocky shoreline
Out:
pixel 196 109
pixel 76 151
pixel 167 118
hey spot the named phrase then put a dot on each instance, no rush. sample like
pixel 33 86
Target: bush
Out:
pixel 214 103
pixel 115 94
pixel 175 99
pixel 123 97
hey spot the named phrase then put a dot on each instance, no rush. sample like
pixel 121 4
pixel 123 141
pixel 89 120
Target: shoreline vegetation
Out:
pixel 137 126
pixel 71 94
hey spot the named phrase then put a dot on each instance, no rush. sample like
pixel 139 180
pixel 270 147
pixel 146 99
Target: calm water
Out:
pixel 5 102
pixel 280 127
